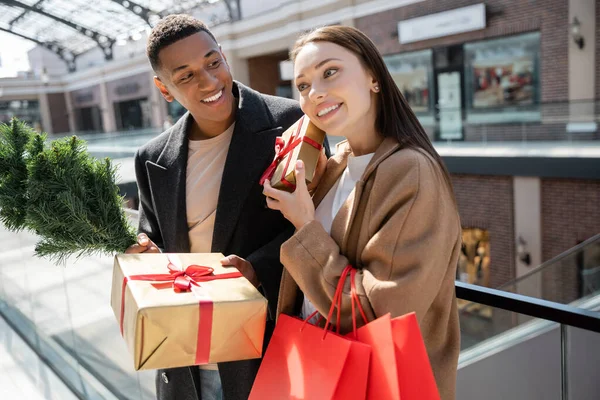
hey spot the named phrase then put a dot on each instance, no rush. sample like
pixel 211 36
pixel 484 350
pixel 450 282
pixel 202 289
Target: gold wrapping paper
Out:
pixel 161 326
pixel 304 151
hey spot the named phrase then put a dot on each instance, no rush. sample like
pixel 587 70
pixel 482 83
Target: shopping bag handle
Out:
pixel 337 301
pixel 355 300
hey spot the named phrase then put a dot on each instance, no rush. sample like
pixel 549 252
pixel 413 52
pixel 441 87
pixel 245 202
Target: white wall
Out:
pixel 256 7
pixel 40 57
pixel 530 370
pixel 528 225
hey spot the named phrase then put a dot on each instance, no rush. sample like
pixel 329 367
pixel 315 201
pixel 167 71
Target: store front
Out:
pixel 133 114
pixel 25 110
pixel 130 99
pixel 474 266
pixel 87 110
pixel 485 82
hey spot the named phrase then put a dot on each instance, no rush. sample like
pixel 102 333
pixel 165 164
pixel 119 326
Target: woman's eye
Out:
pixel 214 64
pixel 330 72
pixel 302 87
pixel 185 77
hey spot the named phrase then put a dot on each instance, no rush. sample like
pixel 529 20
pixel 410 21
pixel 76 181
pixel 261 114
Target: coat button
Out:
pixel 164 377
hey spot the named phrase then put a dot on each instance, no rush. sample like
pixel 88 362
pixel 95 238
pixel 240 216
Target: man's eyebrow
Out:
pixel 320 64
pixel 210 53
pixel 178 68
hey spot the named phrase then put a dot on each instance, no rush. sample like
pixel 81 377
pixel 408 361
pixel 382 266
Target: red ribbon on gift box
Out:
pixel 282 150
pixel 183 280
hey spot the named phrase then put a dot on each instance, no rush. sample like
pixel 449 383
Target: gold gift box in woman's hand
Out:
pixel 177 310
pixel 302 141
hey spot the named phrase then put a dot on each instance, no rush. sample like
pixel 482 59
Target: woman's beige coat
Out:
pixel 400 227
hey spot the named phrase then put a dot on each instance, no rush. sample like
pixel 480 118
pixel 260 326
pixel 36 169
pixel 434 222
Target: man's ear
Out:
pixel 163 89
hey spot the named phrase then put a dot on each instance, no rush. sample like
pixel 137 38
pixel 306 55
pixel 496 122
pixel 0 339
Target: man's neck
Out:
pixel 207 130
pixel 210 129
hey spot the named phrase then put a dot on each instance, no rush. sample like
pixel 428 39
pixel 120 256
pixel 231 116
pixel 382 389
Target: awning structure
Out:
pixel 69 28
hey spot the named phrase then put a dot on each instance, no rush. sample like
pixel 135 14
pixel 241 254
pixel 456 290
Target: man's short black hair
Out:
pixel 170 30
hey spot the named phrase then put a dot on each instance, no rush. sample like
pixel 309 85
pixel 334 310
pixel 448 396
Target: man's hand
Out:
pixel 319 171
pixel 243 266
pixel 143 245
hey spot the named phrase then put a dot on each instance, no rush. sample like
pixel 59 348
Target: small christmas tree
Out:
pixel 61 193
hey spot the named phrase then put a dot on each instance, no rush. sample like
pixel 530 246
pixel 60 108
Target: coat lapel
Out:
pixel 167 184
pixel 344 219
pixel 343 222
pixel 252 148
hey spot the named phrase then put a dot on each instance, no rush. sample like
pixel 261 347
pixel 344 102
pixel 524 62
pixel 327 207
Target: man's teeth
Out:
pixel 213 98
pixel 327 110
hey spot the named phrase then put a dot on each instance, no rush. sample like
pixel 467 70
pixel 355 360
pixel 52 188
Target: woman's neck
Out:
pixel 364 142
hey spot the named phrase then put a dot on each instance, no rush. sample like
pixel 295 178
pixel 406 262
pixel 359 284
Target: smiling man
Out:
pixel 198 184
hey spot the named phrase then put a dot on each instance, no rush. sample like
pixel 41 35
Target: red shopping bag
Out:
pixel 383 374
pixel 415 375
pixel 304 361
pixel 400 367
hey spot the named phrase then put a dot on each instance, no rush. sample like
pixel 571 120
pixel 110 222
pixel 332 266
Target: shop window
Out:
pixel 474 265
pixel 89 119
pixel 502 79
pixel 26 110
pixel 133 114
pixel 413 74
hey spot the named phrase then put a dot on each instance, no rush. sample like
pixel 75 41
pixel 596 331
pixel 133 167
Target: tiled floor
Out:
pixel 23 375
pixel 71 305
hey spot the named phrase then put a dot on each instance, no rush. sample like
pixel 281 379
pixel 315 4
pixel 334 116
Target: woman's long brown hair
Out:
pixel 394 118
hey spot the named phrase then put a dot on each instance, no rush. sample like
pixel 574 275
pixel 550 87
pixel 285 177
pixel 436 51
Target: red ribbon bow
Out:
pixel 181 280
pixel 282 150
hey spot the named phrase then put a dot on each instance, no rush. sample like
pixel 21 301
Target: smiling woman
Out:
pixel 385 204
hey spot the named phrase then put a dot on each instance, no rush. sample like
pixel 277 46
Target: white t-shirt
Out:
pixel 206 161
pixel 334 200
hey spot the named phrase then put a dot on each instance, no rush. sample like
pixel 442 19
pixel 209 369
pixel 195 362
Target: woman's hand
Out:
pixel 297 207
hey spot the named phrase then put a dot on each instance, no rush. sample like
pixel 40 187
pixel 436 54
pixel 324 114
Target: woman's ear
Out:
pixel 375 86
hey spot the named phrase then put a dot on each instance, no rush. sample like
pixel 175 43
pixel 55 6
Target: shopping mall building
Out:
pixel 507 89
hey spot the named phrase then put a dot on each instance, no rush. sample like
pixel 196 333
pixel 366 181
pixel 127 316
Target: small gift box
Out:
pixel 178 310
pixel 302 141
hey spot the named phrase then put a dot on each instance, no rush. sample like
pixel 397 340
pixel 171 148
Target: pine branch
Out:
pixel 13 173
pixel 70 199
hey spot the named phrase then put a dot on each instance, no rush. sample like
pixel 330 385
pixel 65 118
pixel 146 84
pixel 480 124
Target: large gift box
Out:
pixel 177 310
pixel 302 141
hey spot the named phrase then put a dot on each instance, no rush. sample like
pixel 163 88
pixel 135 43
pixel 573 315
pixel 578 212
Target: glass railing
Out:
pixel 64 314
pixel 571 278
pixel 571 121
pixel 115 145
pixel 552 356
pixel 562 129
pixel 568 277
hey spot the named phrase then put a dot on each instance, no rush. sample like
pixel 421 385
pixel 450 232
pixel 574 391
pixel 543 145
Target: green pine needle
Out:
pixel 69 198
pixel 13 173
